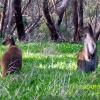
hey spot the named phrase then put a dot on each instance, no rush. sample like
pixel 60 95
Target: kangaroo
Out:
pixel 87 59
pixel 11 60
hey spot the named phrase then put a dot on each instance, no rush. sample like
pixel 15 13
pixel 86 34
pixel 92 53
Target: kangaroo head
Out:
pixel 87 31
pixel 8 40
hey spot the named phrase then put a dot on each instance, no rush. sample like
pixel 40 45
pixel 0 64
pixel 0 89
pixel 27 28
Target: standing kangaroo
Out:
pixel 11 60
pixel 87 59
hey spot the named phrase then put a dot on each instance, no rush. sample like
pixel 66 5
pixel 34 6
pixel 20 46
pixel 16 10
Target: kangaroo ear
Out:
pixel 81 31
pixel 9 36
pixel 89 25
pixel 90 29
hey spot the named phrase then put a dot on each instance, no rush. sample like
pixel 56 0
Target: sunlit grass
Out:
pixel 49 72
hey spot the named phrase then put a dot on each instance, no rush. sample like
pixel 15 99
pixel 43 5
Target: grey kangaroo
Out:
pixel 87 59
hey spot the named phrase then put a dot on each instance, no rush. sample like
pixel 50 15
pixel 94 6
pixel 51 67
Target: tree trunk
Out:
pixel 33 10
pixel 80 18
pixel 54 27
pixel 22 11
pixel 97 34
pixel 49 22
pixel 75 20
pixel 80 14
pixel 18 18
pixel 96 15
pixel 59 15
pixel 2 18
pixel 9 16
pixel 65 21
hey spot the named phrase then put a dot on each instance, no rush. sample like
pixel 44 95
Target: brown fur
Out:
pixel 87 59
pixel 12 58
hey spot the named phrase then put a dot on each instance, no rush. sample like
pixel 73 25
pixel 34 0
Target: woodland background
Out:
pixel 57 20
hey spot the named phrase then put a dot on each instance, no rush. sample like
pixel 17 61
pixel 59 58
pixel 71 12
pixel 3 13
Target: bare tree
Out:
pixel 59 15
pixel 54 27
pixel 80 14
pixel 31 26
pixel 18 18
pixel 9 16
pixel 75 20
pixel 6 23
pixel 49 22
pixel 65 20
pixel 95 11
pixel 22 11
pixel 3 17
pixel 97 34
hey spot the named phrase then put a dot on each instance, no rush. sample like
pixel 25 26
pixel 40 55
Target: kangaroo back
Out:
pixel 12 58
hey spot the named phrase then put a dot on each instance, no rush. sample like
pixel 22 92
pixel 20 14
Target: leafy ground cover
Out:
pixel 49 72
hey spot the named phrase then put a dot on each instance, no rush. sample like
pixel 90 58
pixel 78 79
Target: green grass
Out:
pixel 49 72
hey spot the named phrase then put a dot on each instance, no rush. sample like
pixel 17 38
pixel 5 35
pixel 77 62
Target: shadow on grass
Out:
pixel 50 97
pixel 48 60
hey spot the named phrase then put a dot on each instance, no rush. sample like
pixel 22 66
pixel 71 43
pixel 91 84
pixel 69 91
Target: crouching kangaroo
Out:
pixel 87 59
pixel 11 60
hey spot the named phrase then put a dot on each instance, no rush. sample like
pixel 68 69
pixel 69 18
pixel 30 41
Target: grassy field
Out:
pixel 49 72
